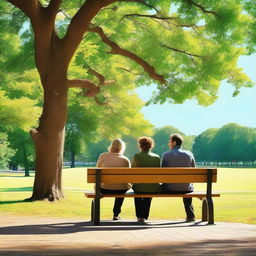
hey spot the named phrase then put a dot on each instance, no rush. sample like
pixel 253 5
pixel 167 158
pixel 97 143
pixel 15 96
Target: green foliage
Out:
pixel 20 112
pixel 206 46
pixel 231 142
pixel 6 152
pixel 22 143
pixel 195 49
pixel 90 125
pixel 202 147
pixel 161 137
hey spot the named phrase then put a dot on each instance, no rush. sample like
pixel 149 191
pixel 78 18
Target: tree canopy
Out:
pixel 103 49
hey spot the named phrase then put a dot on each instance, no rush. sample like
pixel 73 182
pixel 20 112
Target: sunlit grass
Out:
pixel 236 204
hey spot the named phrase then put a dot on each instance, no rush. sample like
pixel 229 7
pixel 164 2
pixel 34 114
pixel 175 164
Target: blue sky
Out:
pixel 192 118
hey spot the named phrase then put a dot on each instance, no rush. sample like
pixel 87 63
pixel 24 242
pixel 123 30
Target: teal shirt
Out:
pixel 146 159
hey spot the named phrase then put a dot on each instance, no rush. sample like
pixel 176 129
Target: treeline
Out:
pixel 231 144
pixel 93 150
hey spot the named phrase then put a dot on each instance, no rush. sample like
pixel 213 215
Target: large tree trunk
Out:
pixel 49 142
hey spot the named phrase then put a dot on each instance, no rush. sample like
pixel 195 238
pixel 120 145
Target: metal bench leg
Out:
pixel 97 211
pixel 92 211
pixel 210 211
pixel 204 210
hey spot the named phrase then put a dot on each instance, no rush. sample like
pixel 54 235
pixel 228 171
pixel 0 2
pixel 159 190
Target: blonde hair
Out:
pixel 117 146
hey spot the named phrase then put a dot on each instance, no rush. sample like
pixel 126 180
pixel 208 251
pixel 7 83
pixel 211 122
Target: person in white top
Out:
pixel 115 158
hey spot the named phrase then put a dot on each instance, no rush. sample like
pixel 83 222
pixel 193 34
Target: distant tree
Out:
pixel 203 148
pixel 24 155
pixel 132 145
pixel 94 149
pixel 6 152
pixel 234 142
pixel 88 124
pixel 229 143
pixel 188 142
pixel 80 129
pixel 161 137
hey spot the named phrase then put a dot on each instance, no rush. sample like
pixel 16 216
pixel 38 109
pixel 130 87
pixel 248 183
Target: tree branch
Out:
pixel 29 7
pixel 116 49
pixel 53 7
pixel 184 52
pixel 202 8
pixel 79 24
pixel 157 17
pixel 153 16
pixel 101 78
pixel 92 89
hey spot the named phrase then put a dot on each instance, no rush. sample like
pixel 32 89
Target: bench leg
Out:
pixel 97 211
pixel 92 211
pixel 204 210
pixel 208 210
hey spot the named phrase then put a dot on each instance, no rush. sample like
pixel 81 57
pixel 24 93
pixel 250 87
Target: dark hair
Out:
pixel 145 143
pixel 177 138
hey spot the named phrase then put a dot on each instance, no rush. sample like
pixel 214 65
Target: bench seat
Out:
pixel 116 175
pixel 91 194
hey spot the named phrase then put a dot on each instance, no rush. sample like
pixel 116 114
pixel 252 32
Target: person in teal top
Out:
pixel 145 158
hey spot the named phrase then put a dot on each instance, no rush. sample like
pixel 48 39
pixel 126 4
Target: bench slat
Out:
pixel 111 179
pixel 132 195
pixel 151 175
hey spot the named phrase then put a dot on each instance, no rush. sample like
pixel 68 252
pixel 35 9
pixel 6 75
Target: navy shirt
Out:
pixel 178 157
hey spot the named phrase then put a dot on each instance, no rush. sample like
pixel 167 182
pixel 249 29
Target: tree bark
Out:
pixel 49 140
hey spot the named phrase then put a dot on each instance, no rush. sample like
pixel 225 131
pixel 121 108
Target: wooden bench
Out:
pixel 152 175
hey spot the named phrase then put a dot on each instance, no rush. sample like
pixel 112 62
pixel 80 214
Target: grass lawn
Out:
pixel 236 204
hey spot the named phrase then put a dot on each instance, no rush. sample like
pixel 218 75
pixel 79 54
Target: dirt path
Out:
pixel 62 236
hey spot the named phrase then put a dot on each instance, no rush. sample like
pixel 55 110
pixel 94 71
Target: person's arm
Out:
pixel 164 162
pixel 159 161
pixel 128 163
pixel 133 162
pixel 193 162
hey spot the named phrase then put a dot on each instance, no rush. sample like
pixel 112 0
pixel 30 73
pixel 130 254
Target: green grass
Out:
pixel 236 204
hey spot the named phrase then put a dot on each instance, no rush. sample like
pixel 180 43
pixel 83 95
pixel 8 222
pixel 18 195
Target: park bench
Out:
pixel 152 175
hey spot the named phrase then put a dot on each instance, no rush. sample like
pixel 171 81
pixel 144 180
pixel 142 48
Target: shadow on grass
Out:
pixel 13 201
pixel 21 189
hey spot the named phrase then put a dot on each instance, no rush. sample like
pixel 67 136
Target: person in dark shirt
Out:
pixel 145 158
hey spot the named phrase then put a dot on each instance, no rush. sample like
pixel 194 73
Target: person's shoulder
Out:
pixel 154 155
pixel 104 154
pixel 124 158
pixel 187 152
pixel 166 153
pixel 125 162
pixel 137 154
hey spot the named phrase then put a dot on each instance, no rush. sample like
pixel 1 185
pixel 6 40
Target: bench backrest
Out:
pixel 151 175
